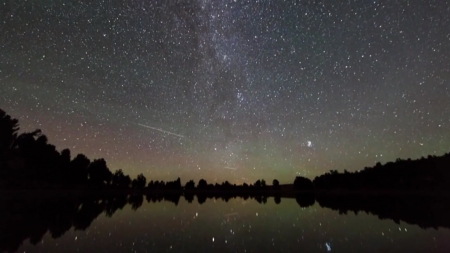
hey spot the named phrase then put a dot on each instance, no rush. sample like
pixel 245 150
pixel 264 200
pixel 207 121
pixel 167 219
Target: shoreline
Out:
pixel 80 193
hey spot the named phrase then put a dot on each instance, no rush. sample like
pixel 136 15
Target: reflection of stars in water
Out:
pixel 328 246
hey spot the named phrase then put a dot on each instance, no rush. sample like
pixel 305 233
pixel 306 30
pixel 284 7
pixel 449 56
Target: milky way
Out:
pixel 236 90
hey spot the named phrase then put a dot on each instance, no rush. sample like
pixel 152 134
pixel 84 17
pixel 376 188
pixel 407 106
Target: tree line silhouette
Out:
pixel 27 160
pixel 430 174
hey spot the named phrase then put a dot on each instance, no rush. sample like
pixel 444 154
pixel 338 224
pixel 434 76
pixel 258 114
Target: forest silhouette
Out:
pixel 28 161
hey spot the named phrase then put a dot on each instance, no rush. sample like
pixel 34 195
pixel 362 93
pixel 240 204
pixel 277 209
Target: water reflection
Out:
pixel 424 211
pixel 300 218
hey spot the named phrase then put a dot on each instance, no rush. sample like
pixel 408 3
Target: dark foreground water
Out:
pixel 215 226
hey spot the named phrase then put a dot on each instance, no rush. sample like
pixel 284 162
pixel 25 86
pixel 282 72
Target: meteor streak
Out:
pixel 167 132
pixel 229 168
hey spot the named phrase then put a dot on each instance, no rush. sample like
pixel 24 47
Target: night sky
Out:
pixel 230 90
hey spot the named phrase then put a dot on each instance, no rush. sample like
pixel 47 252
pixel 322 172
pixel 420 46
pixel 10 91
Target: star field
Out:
pixel 230 90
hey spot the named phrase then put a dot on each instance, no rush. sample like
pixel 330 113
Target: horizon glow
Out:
pixel 230 90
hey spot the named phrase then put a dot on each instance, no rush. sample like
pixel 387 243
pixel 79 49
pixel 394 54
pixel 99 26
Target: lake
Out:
pixel 237 225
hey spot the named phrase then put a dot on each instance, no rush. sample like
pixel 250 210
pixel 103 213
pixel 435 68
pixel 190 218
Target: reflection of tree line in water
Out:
pixel 31 219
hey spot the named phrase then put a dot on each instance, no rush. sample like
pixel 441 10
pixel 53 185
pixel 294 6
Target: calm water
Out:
pixel 218 226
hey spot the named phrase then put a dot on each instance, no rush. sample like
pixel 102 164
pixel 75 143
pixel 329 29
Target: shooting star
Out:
pixel 229 168
pixel 167 132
